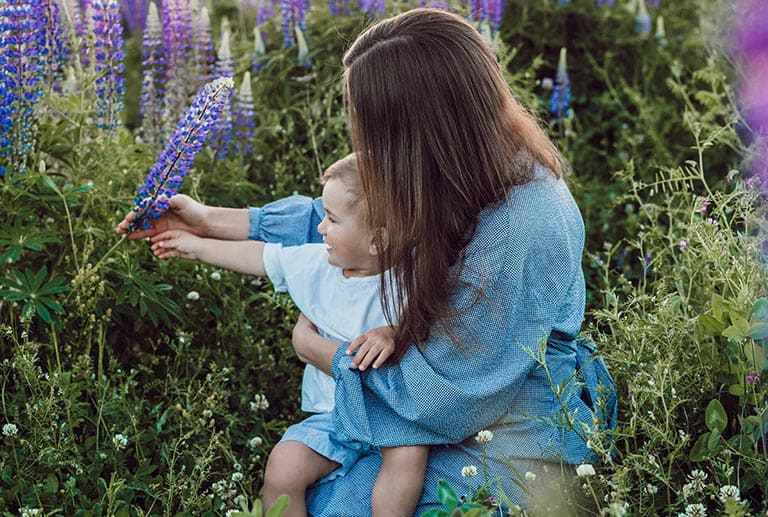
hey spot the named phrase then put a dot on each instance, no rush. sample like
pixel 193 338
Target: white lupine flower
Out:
pixel 10 430
pixel 729 492
pixel 193 296
pixel 530 476
pixel 469 471
pixel 584 470
pixel 484 436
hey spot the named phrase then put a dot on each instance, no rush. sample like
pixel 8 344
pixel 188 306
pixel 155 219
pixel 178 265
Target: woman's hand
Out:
pixel 311 347
pixel 184 214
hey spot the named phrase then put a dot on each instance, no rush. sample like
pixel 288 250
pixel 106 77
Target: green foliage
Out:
pixel 130 395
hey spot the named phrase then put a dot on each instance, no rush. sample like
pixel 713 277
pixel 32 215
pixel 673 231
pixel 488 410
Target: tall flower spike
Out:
pixel 495 9
pixel 293 13
pixel 303 56
pixel 135 15
pixel 339 7
pixel 57 48
pixel 22 63
pixel 176 159
pixel 152 86
pixel 108 62
pixel 204 50
pixel 560 102
pixel 374 8
pixel 259 52
pixel 642 19
pixel 661 35
pixel 224 68
pixel 244 117
pixel 176 19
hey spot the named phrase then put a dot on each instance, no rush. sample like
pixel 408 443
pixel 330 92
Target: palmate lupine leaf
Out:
pixel 35 289
pixel 175 160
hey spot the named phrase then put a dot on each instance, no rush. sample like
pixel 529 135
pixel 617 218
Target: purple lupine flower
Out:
pixel 56 43
pixel 135 15
pixel 560 102
pixel 224 68
pixel 259 52
pixel 22 64
pixel 606 2
pixel 108 62
pixel 152 86
pixel 495 10
pixel 293 14
pixel 176 159
pixel 749 41
pixel 374 8
pixel 339 7
pixel 244 117
pixel 205 52
pixel 478 10
pixel 176 19
pixel 264 12
pixel 653 4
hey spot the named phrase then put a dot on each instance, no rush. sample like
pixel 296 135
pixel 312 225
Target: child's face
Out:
pixel 345 233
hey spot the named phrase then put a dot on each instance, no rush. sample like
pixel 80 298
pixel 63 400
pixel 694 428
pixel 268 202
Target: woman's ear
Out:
pixel 379 238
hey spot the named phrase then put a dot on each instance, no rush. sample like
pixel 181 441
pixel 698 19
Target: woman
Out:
pixel 485 248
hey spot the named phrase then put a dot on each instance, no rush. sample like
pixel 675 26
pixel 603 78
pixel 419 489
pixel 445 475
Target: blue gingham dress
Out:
pixel 526 254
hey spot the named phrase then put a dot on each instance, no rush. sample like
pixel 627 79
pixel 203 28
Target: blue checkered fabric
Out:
pixel 526 257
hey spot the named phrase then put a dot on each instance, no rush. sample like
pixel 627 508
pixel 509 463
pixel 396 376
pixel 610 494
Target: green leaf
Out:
pixel 758 330
pixel 435 512
pixel 715 416
pixel 710 325
pixel 446 495
pixel 759 311
pixel 699 449
pixel 719 306
pixel 740 322
pixel 279 507
pixel 713 444
pixel 50 183
pixel 734 334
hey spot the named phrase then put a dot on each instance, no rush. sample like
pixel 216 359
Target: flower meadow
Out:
pixel 133 386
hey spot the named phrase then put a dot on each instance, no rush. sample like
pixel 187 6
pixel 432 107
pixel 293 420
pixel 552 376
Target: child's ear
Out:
pixel 382 237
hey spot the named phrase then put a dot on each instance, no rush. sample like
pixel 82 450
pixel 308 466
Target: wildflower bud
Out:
pixel 193 296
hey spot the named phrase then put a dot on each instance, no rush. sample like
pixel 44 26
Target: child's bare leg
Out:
pixel 398 486
pixel 292 467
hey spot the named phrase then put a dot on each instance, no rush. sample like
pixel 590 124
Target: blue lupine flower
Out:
pixel 560 102
pixel 293 14
pixel 135 15
pixel 259 52
pixel 606 2
pixel 176 159
pixel 108 62
pixel 374 8
pixel 23 57
pixel 244 116
pixel 56 44
pixel 152 86
pixel 642 19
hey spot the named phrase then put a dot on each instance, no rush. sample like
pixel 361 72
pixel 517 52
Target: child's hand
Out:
pixel 372 348
pixel 176 243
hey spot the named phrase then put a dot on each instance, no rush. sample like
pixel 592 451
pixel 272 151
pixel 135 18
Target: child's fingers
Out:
pixel 355 344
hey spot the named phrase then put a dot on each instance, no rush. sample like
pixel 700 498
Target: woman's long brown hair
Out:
pixel 438 137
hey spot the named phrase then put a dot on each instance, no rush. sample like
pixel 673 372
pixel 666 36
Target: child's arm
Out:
pixel 239 256
pixel 372 348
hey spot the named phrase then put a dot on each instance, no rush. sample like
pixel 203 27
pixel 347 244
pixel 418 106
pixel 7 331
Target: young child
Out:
pixel 336 286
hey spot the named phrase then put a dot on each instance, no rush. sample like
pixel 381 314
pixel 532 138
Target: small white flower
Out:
pixel 260 402
pixel 484 436
pixel 120 441
pixel 530 476
pixel 698 480
pixel 30 512
pixel 207 413
pixel 10 430
pixel 216 276
pixel 193 295
pixel 584 470
pixel 695 510
pixel 469 471
pixel 237 476
pixel 729 492
pixel 255 442
pixel 240 501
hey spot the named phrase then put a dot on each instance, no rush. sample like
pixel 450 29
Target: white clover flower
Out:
pixel 237 476
pixel 584 470
pixel 240 501
pixel 120 441
pixel 10 430
pixel 729 492
pixel 469 471
pixel 193 296
pixel 30 512
pixel 484 436
pixel 260 402
pixel 255 442
pixel 617 509
pixel 216 276
pixel 530 476
pixel 698 480
pixel 695 510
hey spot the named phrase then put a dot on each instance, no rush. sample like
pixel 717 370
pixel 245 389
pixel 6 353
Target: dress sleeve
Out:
pixel 291 221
